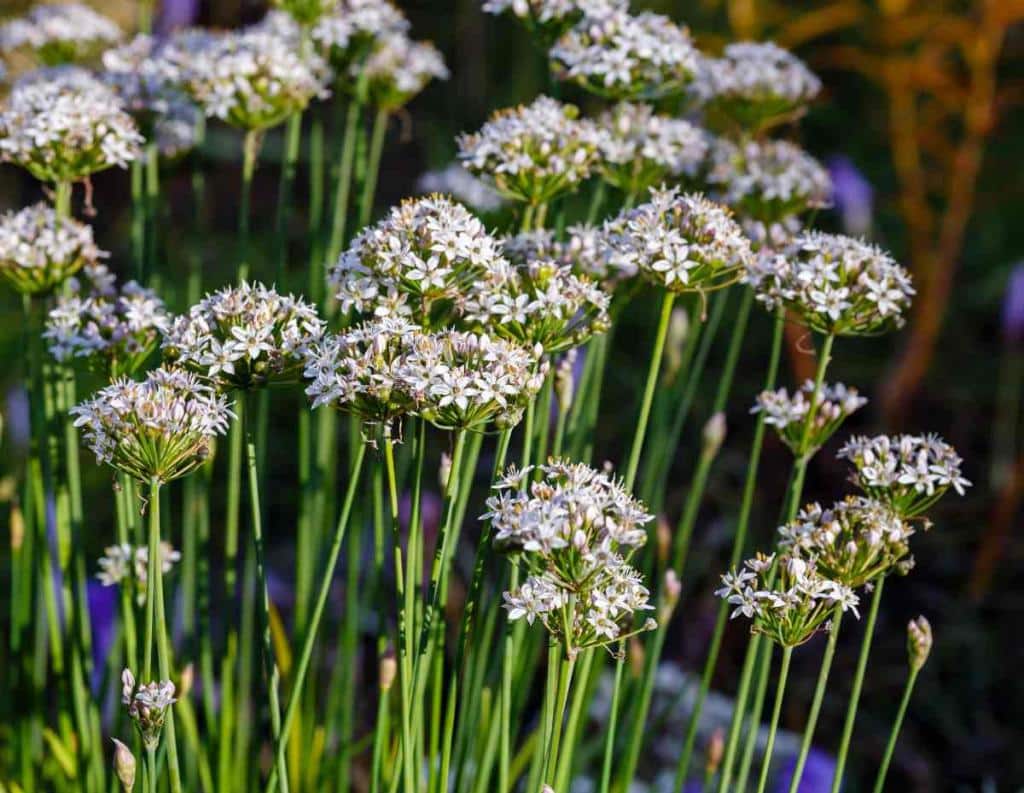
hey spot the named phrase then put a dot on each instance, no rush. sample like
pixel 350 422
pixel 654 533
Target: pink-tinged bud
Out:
pixel 444 470
pixel 17 523
pixel 675 342
pixel 663 534
pixel 716 748
pixel 565 383
pixel 714 434
pixel 185 681
pixel 919 642
pixel 388 670
pixel 636 657
pixel 124 766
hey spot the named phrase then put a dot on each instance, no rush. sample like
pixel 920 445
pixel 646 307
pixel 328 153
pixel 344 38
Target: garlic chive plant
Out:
pixel 59 33
pixel 788 413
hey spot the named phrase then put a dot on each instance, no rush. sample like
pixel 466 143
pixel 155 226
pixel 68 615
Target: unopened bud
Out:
pixel 444 470
pixel 388 670
pixel 636 657
pixel 675 342
pixel 716 748
pixel 124 766
pixel 673 589
pixel 185 681
pixel 714 434
pixel 919 642
pixel 564 382
pixel 17 523
pixel 663 534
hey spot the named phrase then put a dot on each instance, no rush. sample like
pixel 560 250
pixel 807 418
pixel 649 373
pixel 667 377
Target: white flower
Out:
pixel 38 250
pixel 124 565
pixel 345 34
pixel 552 16
pixel 59 33
pixel 788 413
pixel 398 68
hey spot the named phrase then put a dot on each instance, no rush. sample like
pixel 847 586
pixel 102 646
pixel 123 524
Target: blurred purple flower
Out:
pixel 176 14
pixel 19 428
pixel 817 777
pixel 1013 306
pixel 852 195
pixel 103 616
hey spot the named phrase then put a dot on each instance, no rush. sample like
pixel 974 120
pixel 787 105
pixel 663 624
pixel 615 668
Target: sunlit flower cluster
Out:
pixel 682 242
pixel 128 565
pixel 787 599
pixel 148 705
pixel 460 184
pixel 573 529
pixel 533 152
pixel 587 250
pixel 398 68
pixel 417 261
pixel 622 56
pixel 244 337
pixel 835 284
pixel 640 149
pixel 909 472
pixel 39 250
pixel 162 428
pixel 59 33
pixel 65 131
pixel 552 17
pixel 787 413
pixel 855 541
pixel 345 34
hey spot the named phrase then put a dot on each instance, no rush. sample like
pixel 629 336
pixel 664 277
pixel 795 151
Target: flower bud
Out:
pixel 715 750
pixel 124 766
pixel 17 523
pixel 663 533
pixel 565 382
pixel 185 681
pixel 388 670
pixel 675 342
pixel 713 435
pixel 444 470
pixel 673 589
pixel 919 642
pixel 636 657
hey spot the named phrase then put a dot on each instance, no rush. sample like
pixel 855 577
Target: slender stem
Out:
pixel 151 785
pixel 380 128
pixel 596 201
pixel 292 142
pixel 250 154
pixel 609 741
pixel 62 199
pixel 780 691
pixel 344 186
pixel 764 662
pixel 389 461
pixel 152 157
pixel 883 769
pixel 652 380
pixel 553 747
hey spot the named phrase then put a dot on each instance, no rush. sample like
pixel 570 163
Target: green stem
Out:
pixel 596 202
pixel 138 229
pixel 609 741
pixel 152 156
pixel 883 769
pixel 764 662
pixel 292 138
pixel 780 691
pixel 250 154
pixel 62 199
pixel 380 128
pixel 344 186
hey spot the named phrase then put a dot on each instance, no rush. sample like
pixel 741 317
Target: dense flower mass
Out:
pixel 788 413
pixel 533 152
pixel 855 541
pixel 754 85
pixel 640 149
pixel 909 472
pixel 64 131
pixel 835 284
pixel 163 427
pixel 58 33
pixel 622 56
pixel 39 250
pixel 682 242
pixel 417 261
pixel 125 565
pixel 550 18
pixel 114 328
pixel 345 34
pixel 244 337
pixel 573 529
pixel 399 68
pixel 588 250
pixel 788 599
pixel 460 184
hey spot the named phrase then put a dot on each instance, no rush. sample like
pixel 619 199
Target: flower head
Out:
pixel 115 328
pixel 532 152
pixel 163 427
pixel 550 18
pixel 58 33
pixel 244 337
pixel 909 472
pixel 346 34
pixel 147 706
pixel 788 413
pixel 398 68
pixel 39 249
pixel 126 565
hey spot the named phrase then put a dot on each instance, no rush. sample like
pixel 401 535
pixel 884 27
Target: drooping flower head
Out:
pixel 622 56
pixel 148 705
pixel 788 599
pixel 640 149
pixel 454 180
pixel 415 262
pixel 532 152
pixel 574 530
pixel 681 242
pixel 548 19
pixel 835 284
pixel 908 472
pixel 787 413
pixel 39 250
pixel 754 86
pixel 58 33
pixel 855 541
pixel 114 328
pixel 244 337
pixel 163 427
pixel 127 565
pixel 65 131
pixel 399 68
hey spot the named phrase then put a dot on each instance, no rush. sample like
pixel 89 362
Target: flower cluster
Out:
pixel 244 337
pixel 64 131
pixel 39 250
pixel 788 413
pixel 345 34
pixel 59 33
pixel 540 303
pixel 115 328
pixel 622 56
pixel 682 242
pixel 551 18
pixel 640 149
pixel 787 599
pixel 835 284
pixel 573 529
pixel 128 565
pixel 908 472
pixel 855 541
pixel 398 68
pixel 163 427
pixel 587 250
pixel 148 705
pixel 417 261
pixel 753 86
pixel 460 184
pixel 532 152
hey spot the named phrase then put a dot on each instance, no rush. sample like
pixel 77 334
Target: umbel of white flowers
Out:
pixel 147 704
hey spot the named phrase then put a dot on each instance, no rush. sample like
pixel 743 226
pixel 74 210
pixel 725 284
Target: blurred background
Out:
pixel 921 125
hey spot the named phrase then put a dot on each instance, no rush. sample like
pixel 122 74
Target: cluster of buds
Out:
pixel 908 472
pixel 856 541
pixel 244 337
pixel 399 68
pixel 573 529
pixel 59 33
pixel 126 565
pixel 622 56
pixel 919 643
pixel 114 329
pixel 148 705
pixel 534 152
pixel 162 428
pixel 39 250
pixel 787 599
pixel 787 413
